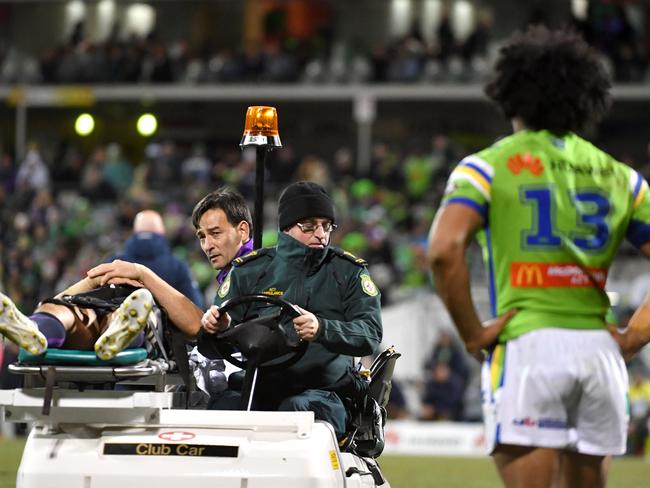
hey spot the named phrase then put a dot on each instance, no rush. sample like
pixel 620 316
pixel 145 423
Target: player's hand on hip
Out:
pixel 214 321
pixel 489 333
pixel 307 325
pixel 630 340
pixel 636 334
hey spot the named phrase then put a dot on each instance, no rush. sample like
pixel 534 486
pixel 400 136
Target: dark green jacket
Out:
pixel 330 283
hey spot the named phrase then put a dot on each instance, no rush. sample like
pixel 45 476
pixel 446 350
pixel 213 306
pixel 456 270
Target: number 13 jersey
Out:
pixel 555 210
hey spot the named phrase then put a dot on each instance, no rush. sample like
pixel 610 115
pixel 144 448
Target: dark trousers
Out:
pixel 326 405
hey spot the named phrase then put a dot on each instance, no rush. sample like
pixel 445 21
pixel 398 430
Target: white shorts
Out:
pixel 557 388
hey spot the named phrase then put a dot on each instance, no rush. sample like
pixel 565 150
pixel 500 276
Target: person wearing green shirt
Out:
pixel 338 301
pixel 550 211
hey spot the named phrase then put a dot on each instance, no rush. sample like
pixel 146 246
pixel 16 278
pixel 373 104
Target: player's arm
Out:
pixel 81 286
pixel 451 232
pixel 180 309
pixel 637 333
pixel 87 284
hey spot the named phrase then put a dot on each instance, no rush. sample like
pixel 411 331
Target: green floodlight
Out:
pixel 84 125
pixel 147 125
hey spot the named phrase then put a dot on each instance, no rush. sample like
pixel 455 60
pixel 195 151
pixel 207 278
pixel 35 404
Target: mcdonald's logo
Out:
pixel 547 275
pixel 526 275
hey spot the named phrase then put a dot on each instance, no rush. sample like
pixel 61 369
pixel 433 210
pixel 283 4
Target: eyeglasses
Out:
pixel 310 227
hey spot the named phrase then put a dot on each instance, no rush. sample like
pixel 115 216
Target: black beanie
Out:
pixel 302 200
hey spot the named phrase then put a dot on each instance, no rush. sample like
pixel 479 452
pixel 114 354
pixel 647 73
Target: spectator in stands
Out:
pixel 163 165
pixel 477 43
pixel 442 155
pixel 117 171
pixel 397 406
pixel 442 398
pixel 385 167
pixel 343 169
pixel 7 173
pixel 448 353
pixel 445 37
pixel 197 167
pixel 33 173
pixel 608 28
pixel 282 165
pixel 313 168
pixel 419 172
pixel 94 186
pixel 149 246
pixel 68 167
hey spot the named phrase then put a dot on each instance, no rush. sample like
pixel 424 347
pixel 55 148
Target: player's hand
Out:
pixel 489 333
pixel 636 334
pixel 117 273
pixel 214 321
pixel 307 325
pixel 630 339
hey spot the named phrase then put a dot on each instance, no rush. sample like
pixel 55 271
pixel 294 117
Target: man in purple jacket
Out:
pixel 223 226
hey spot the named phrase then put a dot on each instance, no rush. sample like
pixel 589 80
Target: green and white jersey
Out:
pixel 555 211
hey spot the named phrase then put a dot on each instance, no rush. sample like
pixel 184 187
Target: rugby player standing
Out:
pixel 550 211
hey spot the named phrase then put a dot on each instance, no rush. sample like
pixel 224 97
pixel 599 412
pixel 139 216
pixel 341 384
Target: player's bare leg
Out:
pixel 527 467
pixel 583 471
pixel 82 326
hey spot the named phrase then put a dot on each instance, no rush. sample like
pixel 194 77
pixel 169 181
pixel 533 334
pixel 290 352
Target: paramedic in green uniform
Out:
pixel 339 304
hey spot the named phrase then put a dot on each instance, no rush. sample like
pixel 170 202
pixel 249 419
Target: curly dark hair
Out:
pixel 552 80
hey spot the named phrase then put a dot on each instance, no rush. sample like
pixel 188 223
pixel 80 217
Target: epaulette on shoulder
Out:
pixel 349 256
pixel 251 256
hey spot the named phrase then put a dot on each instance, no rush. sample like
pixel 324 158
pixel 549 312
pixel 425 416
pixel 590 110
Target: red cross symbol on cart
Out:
pixel 177 435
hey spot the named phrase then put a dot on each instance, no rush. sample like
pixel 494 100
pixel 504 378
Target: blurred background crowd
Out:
pixel 67 202
pixel 301 44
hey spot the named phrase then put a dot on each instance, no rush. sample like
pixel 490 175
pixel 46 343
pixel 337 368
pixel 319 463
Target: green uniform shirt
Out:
pixel 555 212
pixel 330 283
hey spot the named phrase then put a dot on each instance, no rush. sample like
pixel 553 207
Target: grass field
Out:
pixel 406 472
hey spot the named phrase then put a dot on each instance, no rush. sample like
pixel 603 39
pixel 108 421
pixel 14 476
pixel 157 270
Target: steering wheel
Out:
pixel 260 340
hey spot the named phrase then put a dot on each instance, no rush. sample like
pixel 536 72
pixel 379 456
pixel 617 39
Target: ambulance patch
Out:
pixel 225 287
pixel 273 292
pixel 368 286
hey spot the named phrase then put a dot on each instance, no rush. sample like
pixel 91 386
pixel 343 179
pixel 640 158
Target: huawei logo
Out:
pixel 520 162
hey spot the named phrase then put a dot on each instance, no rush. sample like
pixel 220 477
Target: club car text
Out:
pixel 154 449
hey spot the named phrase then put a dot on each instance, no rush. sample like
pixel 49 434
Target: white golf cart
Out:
pixel 87 437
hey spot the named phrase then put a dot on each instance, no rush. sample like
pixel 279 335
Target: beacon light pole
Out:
pixel 260 130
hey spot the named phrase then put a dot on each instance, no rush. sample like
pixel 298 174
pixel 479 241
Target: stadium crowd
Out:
pixel 322 57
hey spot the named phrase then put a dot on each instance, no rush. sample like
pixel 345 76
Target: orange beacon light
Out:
pixel 261 127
